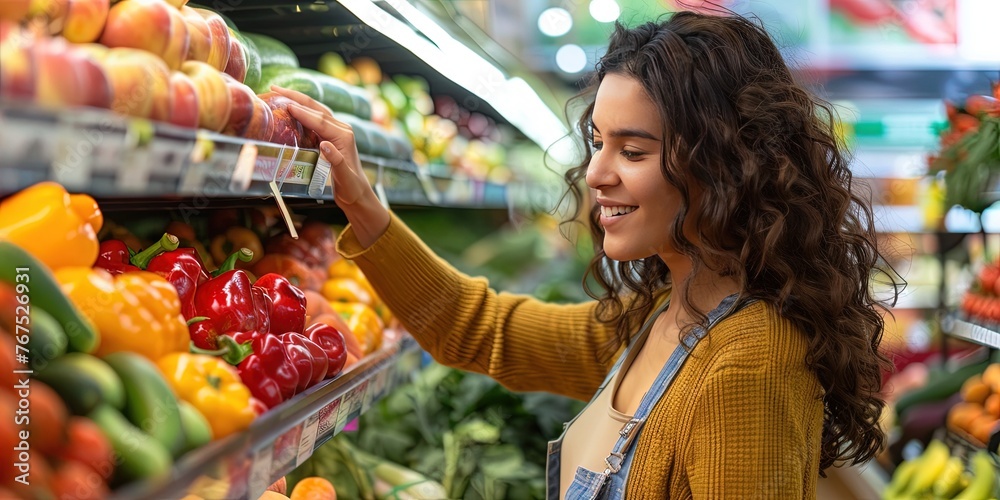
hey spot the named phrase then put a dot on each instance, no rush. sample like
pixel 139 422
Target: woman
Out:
pixel 734 266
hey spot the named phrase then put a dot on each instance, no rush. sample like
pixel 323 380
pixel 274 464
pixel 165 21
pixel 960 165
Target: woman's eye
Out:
pixel 597 145
pixel 630 155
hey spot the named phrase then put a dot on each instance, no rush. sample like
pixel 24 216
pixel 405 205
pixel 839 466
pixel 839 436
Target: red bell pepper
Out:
pixel 183 268
pixel 115 257
pixel 268 372
pixel 309 359
pixel 288 311
pixel 226 304
pixel 331 340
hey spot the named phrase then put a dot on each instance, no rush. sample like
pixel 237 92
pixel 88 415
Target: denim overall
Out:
pixel 610 484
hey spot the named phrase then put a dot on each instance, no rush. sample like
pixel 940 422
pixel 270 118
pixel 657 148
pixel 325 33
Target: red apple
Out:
pixel 140 81
pixel 17 66
pixel 68 76
pixel 14 10
pixel 218 54
pixel 250 117
pixel 52 10
pixel 214 101
pixel 85 20
pixel 199 35
pixel 237 65
pixel 184 109
pixel 287 130
pixel 150 25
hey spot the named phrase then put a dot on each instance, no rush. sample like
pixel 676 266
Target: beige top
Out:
pixel 592 436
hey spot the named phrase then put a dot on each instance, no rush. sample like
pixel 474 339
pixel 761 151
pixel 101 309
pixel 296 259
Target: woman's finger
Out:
pixel 302 99
pixel 312 120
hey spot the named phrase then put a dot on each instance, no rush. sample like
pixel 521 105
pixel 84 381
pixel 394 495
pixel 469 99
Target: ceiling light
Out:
pixel 571 58
pixel 555 22
pixel 605 11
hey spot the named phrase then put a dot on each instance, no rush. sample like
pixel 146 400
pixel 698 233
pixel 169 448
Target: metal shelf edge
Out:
pixel 244 464
pixel 960 328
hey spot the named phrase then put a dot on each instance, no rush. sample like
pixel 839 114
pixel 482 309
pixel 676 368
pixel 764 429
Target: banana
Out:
pixel 984 482
pixel 900 479
pixel 949 483
pixel 930 466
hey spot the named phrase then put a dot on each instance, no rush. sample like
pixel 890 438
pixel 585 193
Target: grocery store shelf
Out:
pixel 140 162
pixel 960 328
pixel 244 464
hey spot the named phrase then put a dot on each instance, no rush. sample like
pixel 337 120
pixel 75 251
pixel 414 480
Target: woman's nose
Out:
pixel 600 172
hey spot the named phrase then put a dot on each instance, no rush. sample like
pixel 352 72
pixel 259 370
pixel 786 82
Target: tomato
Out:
pixel 87 444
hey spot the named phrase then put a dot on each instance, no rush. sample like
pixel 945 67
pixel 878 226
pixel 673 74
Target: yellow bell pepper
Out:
pixel 346 290
pixel 213 387
pixel 338 290
pixel 364 323
pixel 58 228
pixel 136 311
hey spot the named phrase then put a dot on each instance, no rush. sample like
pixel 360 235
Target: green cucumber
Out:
pixel 336 95
pixel 83 382
pixel 197 431
pixel 362 102
pixel 362 139
pixel 137 455
pixel 44 292
pixel 272 52
pixel 941 387
pixel 253 61
pixel 47 340
pixel 150 403
pixel 289 78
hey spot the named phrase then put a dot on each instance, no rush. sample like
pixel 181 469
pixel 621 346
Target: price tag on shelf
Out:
pixel 260 472
pixel 350 406
pixel 243 173
pixel 428 185
pixel 328 417
pixel 307 441
pixel 73 156
pixel 319 177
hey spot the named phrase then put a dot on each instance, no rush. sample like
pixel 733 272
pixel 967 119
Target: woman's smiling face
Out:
pixel 638 205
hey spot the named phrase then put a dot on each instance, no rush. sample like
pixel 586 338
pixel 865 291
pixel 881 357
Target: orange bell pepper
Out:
pixel 233 240
pixel 295 270
pixel 136 311
pixel 58 228
pixel 213 387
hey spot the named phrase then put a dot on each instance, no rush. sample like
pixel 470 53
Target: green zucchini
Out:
pixel 44 292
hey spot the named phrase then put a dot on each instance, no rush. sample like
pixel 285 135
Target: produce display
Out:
pixel 970 152
pixel 936 473
pixel 142 353
pixel 169 62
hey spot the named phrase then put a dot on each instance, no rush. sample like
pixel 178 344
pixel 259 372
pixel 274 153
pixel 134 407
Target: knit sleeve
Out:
pixel 524 344
pixel 757 426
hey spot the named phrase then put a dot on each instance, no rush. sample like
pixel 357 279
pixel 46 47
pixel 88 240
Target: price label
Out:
pixel 307 441
pixel 319 177
pixel 260 472
pixel 428 185
pixel 350 406
pixel 73 158
pixel 328 417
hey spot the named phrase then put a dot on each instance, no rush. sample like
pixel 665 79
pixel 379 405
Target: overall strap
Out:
pixel 632 343
pixel 630 430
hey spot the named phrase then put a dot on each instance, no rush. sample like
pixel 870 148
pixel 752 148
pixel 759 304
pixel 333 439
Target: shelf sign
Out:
pixel 307 441
pixel 350 406
pixel 260 472
pixel 328 417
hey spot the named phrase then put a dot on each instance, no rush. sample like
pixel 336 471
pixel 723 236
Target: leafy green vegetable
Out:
pixel 466 431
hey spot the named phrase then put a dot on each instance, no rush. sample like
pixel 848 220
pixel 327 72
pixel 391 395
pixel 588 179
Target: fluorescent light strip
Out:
pixel 512 98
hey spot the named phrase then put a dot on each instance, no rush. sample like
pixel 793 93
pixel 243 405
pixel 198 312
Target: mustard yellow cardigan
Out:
pixel 743 418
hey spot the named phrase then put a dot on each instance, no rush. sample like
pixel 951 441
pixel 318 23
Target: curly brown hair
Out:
pixel 778 212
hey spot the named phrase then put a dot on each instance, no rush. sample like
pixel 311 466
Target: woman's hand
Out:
pixel 352 192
